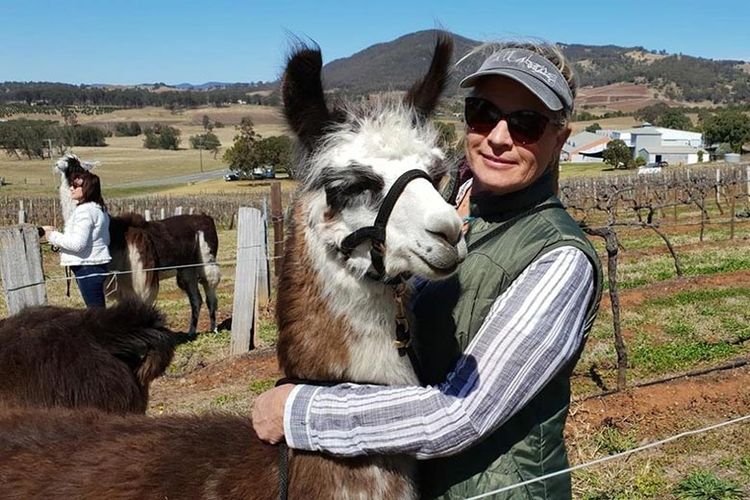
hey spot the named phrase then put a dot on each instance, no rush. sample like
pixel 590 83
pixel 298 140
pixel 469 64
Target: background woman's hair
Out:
pixel 91 188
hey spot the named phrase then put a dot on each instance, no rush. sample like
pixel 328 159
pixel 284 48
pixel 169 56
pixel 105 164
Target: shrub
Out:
pixel 162 137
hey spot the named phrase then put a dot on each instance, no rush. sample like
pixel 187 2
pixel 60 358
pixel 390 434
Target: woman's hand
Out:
pixel 47 230
pixel 268 413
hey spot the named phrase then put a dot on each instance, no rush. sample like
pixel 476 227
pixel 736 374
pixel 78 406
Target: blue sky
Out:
pixel 118 41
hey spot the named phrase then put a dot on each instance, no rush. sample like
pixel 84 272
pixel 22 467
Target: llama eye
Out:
pixel 352 184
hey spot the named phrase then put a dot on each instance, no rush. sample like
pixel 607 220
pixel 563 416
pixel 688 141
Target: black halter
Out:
pixel 376 232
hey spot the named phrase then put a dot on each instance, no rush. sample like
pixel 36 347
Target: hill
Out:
pixel 610 77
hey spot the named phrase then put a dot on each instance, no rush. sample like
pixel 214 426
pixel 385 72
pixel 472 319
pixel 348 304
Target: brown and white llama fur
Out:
pixel 137 246
pixel 335 324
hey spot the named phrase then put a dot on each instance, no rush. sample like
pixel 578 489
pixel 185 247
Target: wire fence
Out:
pixel 608 458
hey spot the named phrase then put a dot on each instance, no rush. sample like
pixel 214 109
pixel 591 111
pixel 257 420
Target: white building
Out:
pixel 584 147
pixel 656 144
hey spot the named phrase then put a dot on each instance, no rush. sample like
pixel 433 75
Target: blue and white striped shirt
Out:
pixel 532 330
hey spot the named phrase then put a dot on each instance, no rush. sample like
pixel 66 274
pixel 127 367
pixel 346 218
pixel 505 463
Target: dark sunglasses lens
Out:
pixel 526 127
pixel 480 115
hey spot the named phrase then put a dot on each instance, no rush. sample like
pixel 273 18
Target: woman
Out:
pixel 499 340
pixel 84 244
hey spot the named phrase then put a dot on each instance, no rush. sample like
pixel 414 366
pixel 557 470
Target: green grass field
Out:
pixel 670 325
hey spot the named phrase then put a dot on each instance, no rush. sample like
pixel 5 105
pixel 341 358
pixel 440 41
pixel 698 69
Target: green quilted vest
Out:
pixel 508 233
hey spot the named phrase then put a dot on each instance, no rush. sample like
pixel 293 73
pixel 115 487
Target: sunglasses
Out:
pixel 525 126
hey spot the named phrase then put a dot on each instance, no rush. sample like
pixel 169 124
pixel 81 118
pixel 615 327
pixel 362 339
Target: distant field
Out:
pixel 125 159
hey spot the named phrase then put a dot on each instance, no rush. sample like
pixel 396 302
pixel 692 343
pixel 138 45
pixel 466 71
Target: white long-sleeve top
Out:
pixel 85 238
pixel 534 329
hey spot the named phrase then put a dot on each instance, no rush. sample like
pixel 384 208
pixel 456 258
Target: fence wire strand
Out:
pixel 228 263
pixel 612 457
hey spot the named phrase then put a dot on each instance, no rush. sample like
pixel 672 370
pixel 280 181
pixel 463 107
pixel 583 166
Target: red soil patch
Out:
pixel 661 410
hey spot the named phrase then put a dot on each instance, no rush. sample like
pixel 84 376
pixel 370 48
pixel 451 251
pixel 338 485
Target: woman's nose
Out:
pixel 500 135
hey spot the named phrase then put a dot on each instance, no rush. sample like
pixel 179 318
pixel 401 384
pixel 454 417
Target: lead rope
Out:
pixel 283 471
pixel 67 281
pixel 403 335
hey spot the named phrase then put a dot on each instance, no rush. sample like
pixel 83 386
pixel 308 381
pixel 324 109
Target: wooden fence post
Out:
pixel 21 213
pixel 21 267
pixel 277 216
pixel 245 306
pixel 147 214
pixel 178 211
pixel 264 282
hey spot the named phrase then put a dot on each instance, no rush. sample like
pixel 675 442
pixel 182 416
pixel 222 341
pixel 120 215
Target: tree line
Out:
pixel 63 94
pixel 32 139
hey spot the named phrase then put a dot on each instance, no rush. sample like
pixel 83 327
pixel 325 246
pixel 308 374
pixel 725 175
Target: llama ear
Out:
pixel 302 90
pixel 424 93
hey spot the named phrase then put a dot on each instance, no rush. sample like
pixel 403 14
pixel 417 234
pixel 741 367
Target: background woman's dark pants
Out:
pixel 91 287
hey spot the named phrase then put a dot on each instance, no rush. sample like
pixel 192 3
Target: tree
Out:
pixel 84 135
pixel 730 126
pixel 207 142
pixel 593 127
pixel 617 154
pixel 240 155
pixel 162 137
pixel 206 121
pixel 672 118
pixel 651 114
pixel 27 137
pixel 131 129
pixel 275 150
pixel 70 117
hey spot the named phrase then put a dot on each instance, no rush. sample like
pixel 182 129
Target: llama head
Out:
pixel 351 157
pixel 69 165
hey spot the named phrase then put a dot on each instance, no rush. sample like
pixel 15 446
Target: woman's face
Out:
pixel 76 190
pixel 498 163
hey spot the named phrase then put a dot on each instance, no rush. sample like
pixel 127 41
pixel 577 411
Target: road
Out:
pixel 178 179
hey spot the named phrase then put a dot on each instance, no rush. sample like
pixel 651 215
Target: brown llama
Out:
pixel 99 358
pixel 188 244
pixel 337 318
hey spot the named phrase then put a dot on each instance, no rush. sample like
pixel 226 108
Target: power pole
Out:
pixel 200 148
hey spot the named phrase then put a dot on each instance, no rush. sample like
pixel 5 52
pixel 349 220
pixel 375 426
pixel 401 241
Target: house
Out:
pixel 584 147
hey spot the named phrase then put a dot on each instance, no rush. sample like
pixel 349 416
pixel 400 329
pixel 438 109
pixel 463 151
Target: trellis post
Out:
pixel 250 239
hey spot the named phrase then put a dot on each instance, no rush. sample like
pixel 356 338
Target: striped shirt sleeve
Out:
pixel 531 332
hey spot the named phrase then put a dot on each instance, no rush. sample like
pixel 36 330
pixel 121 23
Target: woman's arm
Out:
pixel 78 236
pixel 532 330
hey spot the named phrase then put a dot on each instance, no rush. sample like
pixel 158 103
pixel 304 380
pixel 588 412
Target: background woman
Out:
pixel 85 240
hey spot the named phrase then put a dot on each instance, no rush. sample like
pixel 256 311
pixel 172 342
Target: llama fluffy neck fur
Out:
pixel 333 324
pixel 67 205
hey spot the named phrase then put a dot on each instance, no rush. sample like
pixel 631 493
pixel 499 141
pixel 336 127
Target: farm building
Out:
pixel 675 155
pixel 656 144
pixel 584 147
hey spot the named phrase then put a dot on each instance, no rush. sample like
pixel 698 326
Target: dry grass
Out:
pixel 125 159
